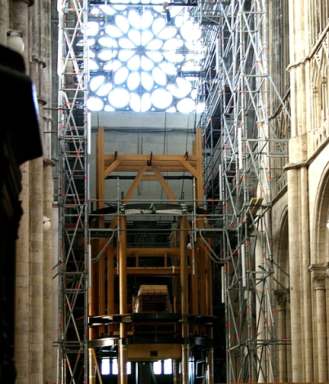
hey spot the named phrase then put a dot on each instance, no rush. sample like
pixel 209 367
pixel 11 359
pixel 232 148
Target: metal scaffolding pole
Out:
pixel 243 154
pixel 73 193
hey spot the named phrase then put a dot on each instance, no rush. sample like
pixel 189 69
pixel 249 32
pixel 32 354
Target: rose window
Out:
pixel 142 59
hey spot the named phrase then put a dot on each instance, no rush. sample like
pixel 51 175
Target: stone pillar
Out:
pixel 318 272
pixel 295 283
pixel 281 298
pixel 4 21
pixel 19 22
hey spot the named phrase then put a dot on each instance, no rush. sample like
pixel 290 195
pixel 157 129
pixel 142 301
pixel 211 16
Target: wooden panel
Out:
pixel 153 352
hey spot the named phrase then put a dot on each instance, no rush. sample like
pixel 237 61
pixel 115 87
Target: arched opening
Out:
pixel 283 327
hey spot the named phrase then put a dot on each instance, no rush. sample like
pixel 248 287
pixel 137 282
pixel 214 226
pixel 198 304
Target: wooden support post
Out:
pixel 194 280
pixel 184 298
pixel 110 280
pixel 199 167
pixel 122 299
pixel 101 287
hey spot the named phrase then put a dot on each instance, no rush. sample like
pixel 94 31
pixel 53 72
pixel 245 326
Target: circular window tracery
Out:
pixel 137 59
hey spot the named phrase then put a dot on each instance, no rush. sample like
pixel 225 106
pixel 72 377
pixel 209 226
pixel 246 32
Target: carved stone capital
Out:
pixel 282 296
pixel 319 274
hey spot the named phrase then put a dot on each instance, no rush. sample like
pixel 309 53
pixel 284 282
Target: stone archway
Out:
pixel 283 327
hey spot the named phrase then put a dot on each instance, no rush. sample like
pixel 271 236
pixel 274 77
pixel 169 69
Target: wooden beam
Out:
pixel 154 271
pixel 152 251
pixel 199 167
pixel 146 157
pixel 152 352
pixel 165 186
pixel 111 168
pixel 188 167
pixel 134 184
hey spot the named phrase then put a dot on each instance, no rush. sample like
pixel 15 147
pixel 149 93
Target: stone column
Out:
pixel 281 298
pixel 4 21
pixel 318 272
pixel 19 22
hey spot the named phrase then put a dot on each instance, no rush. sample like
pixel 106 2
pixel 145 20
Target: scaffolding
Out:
pixel 72 269
pixel 244 157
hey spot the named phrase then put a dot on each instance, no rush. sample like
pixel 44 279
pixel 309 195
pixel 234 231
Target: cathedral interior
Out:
pixel 164 194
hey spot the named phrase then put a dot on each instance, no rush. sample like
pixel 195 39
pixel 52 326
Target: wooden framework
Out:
pixel 187 265
pixel 149 167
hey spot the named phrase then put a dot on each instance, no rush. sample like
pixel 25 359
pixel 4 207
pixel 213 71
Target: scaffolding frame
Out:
pixel 73 188
pixel 242 168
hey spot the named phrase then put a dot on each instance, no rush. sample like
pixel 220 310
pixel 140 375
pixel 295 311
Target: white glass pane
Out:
pixel 146 64
pixel 140 21
pixel 134 63
pixel 179 21
pixel 135 102
pixel 190 31
pixel 147 81
pixel 154 45
pixel 119 98
pixel 194 94
pixel 113 31
pixel 108 108
pixel 122 23
pixel 174 57
pixel 161 98
pixel 167 367
pixel 167 33
pixel 184 87
pixel 92 65
pixel 146 37
pixel 107 42
pixel 107 9
pixel 158 25
pixel 133 81
pixel 157 57
pixel 104 89
pixel 120 75
pixel 105 366
pixel 147 19
pixel 126 43
pixel 146 102
pixel 91 54
pixel 119 7
pixel 135 19
pixel 135 37
pixel 157 368
pixel 92 28
pixel 168 68
pixel 96 82
pixel 159 76
pixel 95 104
pixel 200 107
pixel 115 368
pixel 172 44
pixel 112 65
pixel 91 42
pixel 186 105
pixel 125 54
pixel 128 368
pixel 106 54
pixel 95 11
